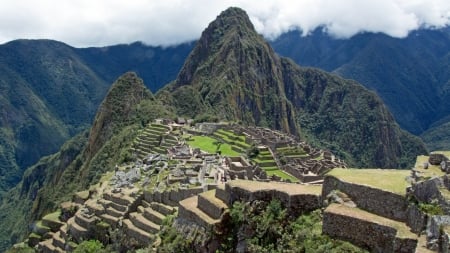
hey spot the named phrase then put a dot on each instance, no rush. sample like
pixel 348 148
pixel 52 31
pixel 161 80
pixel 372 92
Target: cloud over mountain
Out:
pixel 105 22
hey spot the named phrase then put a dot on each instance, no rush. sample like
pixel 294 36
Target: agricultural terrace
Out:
pixel 388 180
pixel 211 145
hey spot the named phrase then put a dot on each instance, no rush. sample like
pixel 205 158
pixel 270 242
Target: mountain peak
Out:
pixel 117 108
pixel 232 16
pixel 231 31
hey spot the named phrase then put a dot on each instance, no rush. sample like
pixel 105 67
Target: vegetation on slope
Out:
pixel 50 91
pixel 234 74
pixel 265 227
pixel 81 161
pixel 410 74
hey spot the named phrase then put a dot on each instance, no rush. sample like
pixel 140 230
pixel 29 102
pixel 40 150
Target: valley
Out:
pixel 242 150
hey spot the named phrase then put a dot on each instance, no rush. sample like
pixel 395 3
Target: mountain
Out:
pixel 48 94
pixel 411 74
pixel 50 91
pixel 83 159
pixel 234 74
pixel 157 66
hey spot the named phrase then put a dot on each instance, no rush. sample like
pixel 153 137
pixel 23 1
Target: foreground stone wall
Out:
pixel 296 203
pixel 377 201
pixel 171 198
pixel 365 233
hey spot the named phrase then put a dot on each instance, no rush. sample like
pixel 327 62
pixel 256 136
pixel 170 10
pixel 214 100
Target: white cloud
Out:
pixel 106 22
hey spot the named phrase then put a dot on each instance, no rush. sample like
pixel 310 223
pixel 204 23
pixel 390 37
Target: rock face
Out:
pixel 234 74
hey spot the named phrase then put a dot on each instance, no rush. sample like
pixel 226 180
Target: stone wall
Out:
pixel 417 220
pixel 171 198
pixel 377 201
pixel 214 211
pixel 294 203
pixel 366 234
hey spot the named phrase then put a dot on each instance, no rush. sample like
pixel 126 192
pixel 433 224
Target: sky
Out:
pixel 84 23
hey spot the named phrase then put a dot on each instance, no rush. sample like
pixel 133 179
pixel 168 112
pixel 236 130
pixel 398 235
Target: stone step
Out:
pixel 367 229
pixel 154 216
pixel 113 212
pixel 141 222
pixel 48 247
pixel 153 131
pixel 160 150
pixel 118 198
pixel 208 203
pixel 111 220
pixel 118 207
pixel 145 141
pixel 58 241
pixel 145 149
pixel 76 231
pixel 63 232
pixel 83 221
pixel 422 245
pixel 145 203
pixel 54 225
pixel 162 208
pixel 188 210
pixel 140 235
pixel 94 207
pixel 222 194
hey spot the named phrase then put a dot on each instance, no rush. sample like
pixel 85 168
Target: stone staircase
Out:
pixel 205 209
pixel 144 224
pixel 155 138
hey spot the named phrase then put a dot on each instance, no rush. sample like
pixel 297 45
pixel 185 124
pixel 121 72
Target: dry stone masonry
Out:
pixel 169 177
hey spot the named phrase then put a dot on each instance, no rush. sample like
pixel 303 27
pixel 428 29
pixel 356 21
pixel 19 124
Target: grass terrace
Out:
pixel 388 180
pixel 52 216
pixel 232 138
pixel 432 171
pixel 279 173
pixel 209 144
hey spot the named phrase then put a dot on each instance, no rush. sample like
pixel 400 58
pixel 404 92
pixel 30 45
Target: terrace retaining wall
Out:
pixel 377 201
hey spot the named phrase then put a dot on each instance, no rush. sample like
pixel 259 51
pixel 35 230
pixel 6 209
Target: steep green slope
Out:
pixel 81 162
pixel 438 137
pixel 234 74
pixel 48 95
pixel 50 91
pixel 411 74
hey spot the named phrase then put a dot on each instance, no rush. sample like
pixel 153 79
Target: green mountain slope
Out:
pixel 411 74
pixel 82 160
pixel 234 74
pixel 51 91
pixel 48 94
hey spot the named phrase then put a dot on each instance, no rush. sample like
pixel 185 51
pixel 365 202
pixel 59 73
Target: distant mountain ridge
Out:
pixel 232 73
pixel 411 75
pixel 50 91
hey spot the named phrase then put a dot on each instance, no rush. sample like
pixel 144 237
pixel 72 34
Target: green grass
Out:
pixel 388 180
pixel 281 174
pixel 52 216
pixel 207 144
pixel 231 137
pixel 256 160
pixel 270 168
